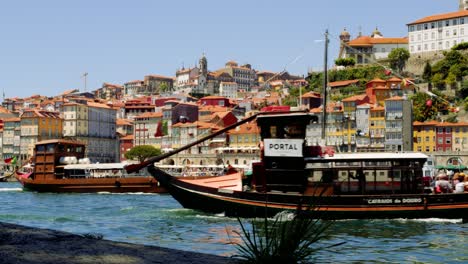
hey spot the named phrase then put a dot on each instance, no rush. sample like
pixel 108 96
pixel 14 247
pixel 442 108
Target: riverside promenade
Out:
pixel 21 244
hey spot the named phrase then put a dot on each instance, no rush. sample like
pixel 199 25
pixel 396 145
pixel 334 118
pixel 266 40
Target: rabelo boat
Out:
pixel 60 166
pixel 292 175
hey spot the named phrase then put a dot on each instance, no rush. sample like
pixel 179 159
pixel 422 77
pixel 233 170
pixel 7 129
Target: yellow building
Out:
pixel 38 125
pixel 245 136
pixel 424 135
pixel 377 128
pixel 459 136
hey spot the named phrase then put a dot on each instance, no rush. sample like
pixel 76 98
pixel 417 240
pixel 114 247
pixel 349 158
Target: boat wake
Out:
pixel 11 189
pixel 432 220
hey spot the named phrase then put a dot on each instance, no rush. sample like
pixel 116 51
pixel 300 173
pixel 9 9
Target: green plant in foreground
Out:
pixel 284 239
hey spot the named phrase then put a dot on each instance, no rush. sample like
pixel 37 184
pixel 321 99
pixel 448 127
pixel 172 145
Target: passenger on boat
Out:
pixel 442 185
pixel 455 179
pixel 460 186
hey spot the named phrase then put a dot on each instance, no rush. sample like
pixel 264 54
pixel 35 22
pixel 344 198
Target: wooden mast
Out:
pixel 325 86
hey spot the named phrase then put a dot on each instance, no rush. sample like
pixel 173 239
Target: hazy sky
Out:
pixel 47 45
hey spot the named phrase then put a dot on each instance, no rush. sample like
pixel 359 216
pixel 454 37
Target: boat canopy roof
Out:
pixel 96 166
pixel 59 141
pixel 371 156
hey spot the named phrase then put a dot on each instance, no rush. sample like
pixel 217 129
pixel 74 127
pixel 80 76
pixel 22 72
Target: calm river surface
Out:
pixel 159 220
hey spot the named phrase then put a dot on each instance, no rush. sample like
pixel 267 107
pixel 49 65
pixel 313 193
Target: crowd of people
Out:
pixel 450 183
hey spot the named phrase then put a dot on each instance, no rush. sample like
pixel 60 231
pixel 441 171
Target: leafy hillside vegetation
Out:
pixel 450 73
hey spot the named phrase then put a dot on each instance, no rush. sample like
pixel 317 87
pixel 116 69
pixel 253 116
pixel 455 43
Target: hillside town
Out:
pixel 168 112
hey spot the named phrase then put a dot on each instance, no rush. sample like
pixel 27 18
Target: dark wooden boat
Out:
pixel 292 174
pixel 57 168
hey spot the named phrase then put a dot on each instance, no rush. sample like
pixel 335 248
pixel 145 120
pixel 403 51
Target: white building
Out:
pixel 186 77
pixel 366 49
pixel 438 32
pixel 228 89
pixel 95 125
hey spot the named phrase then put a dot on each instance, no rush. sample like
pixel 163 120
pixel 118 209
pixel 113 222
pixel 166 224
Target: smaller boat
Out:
pixel 60 166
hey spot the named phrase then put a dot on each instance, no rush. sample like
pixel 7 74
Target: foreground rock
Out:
pixel 20 244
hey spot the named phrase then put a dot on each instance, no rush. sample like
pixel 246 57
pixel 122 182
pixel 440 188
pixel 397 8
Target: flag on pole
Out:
pixel 8 160
pixel 14 160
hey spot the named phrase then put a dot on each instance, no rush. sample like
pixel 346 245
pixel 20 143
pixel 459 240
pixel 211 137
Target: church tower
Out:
pixel 203 65
pixel 202 75
pixel 345 37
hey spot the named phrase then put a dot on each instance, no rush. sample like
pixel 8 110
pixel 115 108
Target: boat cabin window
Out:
pixel 79 149
pixel 294 131
pixel 69 148
pixel 40 148
pixel 367 177
pixel 273 132
pixel 50 147
pixel 287 131
pixel 61 148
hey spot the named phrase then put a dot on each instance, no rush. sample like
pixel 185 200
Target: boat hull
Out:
pixel 93 185
pixel 256 204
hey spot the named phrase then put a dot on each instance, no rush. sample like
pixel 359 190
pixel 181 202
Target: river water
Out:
pixel 159 220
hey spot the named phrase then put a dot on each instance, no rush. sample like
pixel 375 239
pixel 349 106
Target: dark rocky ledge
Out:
pixel 20 244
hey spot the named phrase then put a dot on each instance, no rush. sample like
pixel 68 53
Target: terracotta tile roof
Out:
pixel 135 81
pixel 213 97
pixel 369 41
pixel 378 108
pixel 3 110
pixel 149 115
pixel 459 124
pixel 98 105
pixel 440 17
pixel 213 108
pixel 311 95
pixel 123 122
pixel 112 86
pixel 247 128
pixel 201 124
pixel 394 79
pixel 67 92
pixel 428 123
pixel 342 83
pixel 159 76
pixel 394 98
pixel 358 97
pixel 377 80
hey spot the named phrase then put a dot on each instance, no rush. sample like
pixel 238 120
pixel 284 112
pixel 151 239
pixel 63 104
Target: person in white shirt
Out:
pixel 460 186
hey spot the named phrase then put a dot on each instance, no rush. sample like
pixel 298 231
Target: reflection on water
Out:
pixel 159 220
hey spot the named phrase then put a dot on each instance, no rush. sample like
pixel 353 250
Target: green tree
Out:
pixel 426 107
pixel 438 80
pixel 398 58
pixel 427 72
pixel 141 153
pixel 461 46
pixel 345 62
pixel 462 93
pixel 165 127
pixel 164 87
pixel 451 79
